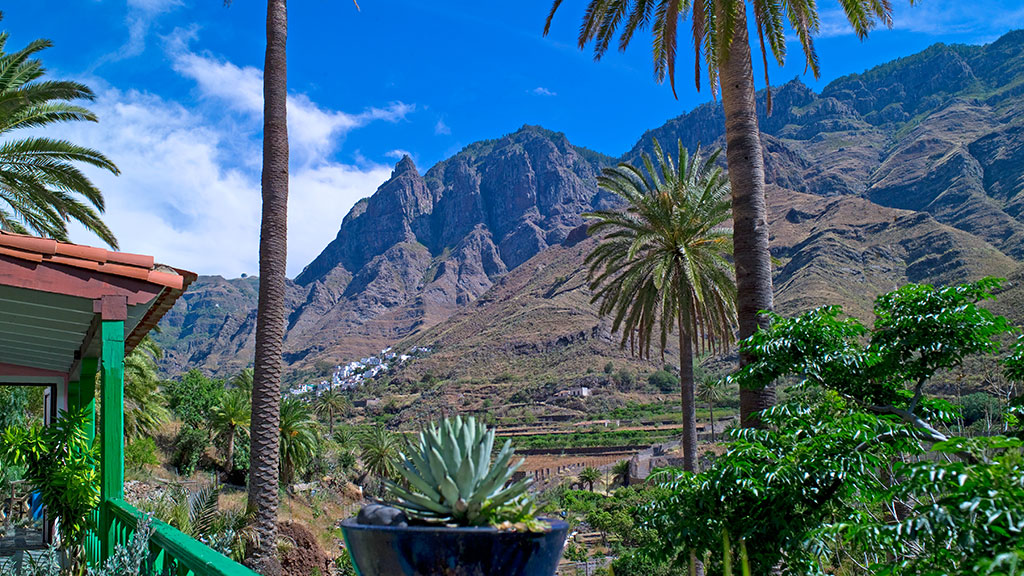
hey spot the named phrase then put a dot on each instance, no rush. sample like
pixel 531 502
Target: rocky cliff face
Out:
pixel 912 171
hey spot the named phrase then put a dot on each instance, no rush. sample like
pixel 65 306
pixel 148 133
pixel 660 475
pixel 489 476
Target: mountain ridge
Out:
pixel 909 171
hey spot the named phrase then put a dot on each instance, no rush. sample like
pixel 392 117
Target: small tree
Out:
pixel 62 466
pixel 590 476
pixel 712 390
pixel 230 419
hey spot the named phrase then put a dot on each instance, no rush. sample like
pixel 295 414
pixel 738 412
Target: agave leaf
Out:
pixel 420 483
pixel 422 467
pixel 464 479
pixel 510 493
pixel 437 468
pixel 418 500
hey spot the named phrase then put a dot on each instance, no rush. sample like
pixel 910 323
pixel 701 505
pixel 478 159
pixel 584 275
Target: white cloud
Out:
pixel 313 131
pixel 442 129
pixel 542 91
pixel 398 153
pixel 140 16
pixel 189 189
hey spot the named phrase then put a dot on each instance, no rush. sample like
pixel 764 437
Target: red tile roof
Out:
pixel 101 260
pixel 123 264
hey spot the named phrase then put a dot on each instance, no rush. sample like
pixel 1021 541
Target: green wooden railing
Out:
pixel 171 551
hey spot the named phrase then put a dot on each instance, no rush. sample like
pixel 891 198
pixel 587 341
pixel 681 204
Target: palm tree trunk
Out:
pixel 750 220
pixel 229 458
pixel 686 393
pixel 330 422
pixel 711 415
pixel 270 319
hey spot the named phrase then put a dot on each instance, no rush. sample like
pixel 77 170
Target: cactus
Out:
pixel 452 480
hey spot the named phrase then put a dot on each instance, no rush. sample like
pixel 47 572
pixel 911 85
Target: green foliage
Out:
pixel 978 406
pixel 194 397
pixel 298 438
pixel 191 443
pixel 664 381
pixel 141 453
pixel 609 367
pixel 663 260
pixel 131 560
pixel 590 476
pixel 452 479
pixel 41 186
pixel 919 330
pixel 13 406
pixel 855 471
pixel 61 464
pixel 625 379
pixel 380 449
pixel 197 513
pixel 144 406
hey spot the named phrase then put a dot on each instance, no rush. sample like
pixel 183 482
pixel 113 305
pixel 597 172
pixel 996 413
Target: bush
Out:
pixel 194 396
pixel 980 405
pixel 141 453
pixel 625 379
pixel 609 367
pixel 664 381
pixel 192 443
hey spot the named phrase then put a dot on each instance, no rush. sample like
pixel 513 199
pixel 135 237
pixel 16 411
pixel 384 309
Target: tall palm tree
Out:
pixel 620 473
pixel 662 261
pixel 298 438
pixel 712 390
pixel 265 436
pixel 328 405
pixel 719 33
pixel 145 408
pixel 41 188
pixel 230 419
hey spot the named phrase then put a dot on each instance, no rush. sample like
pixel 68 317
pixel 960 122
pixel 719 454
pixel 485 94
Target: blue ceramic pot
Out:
pixel 441 551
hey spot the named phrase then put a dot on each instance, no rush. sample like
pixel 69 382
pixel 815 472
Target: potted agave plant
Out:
pixel 459 513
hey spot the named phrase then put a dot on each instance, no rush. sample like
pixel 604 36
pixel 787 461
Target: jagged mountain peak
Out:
pixel 405 166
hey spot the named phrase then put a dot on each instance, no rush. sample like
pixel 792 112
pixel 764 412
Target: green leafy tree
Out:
pixel 243 381
pixel 719 34
pixel 230 420
pixel 805 492
pixel 61 464
pixel 662 263
pixel 41 185
pixel 590 476
pixel 712 390
pixel 144 407
pixel 193 397
pixel 298 438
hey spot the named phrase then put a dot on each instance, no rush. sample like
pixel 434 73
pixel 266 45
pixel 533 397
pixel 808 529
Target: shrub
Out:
pixel 192 443
pixel 194 396
pixel 664 381
pixel 625 379
pixel 141 453
pixel 980 405
pixel 609 367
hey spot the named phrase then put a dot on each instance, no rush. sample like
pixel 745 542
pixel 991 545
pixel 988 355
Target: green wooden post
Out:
pixel 112 411
pixel 86 396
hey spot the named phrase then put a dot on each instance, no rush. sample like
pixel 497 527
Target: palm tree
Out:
pixel 379 449
pixel 243 381
pixel 265 437
pixel 298 438
pixel 712 390
pixel 230 419
pixel 145 408
pixel 328 404
pixel 41 188
pixel 620 473
pixel 719 32
pixel 590 476
pixel 662 261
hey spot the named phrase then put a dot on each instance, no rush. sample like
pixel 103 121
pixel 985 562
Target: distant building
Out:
pixel 574 392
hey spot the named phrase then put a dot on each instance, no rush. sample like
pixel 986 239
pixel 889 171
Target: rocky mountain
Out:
pixel 911 171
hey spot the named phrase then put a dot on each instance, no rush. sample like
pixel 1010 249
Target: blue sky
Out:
pixel 179 98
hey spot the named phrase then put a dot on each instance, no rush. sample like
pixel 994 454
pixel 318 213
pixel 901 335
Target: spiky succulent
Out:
pixel 451 478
